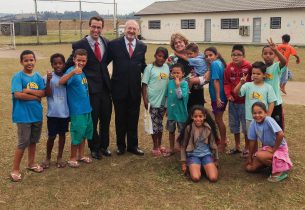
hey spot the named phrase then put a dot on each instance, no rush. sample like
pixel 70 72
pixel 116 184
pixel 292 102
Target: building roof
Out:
pixel 207 6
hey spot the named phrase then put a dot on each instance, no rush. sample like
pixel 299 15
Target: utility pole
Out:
pixel 114 18
pixel 36 19
pixel 80 19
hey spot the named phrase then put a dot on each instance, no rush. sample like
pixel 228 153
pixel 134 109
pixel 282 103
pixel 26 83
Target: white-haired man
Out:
pixel 128 56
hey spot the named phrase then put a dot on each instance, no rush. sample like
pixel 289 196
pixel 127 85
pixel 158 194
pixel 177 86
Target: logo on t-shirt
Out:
pixel 162 76
pixel 269 76
pixel 256 95
pixel 84 81
pixel 32 85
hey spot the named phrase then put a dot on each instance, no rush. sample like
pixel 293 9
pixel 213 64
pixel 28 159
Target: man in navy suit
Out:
pixel 98 78
pixel 128 56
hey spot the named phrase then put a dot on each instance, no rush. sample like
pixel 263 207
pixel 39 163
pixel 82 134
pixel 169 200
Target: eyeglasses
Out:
pixel 96 27
pixel 236 55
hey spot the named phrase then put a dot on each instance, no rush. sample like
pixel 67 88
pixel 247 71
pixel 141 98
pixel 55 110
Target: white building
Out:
pixel 225 21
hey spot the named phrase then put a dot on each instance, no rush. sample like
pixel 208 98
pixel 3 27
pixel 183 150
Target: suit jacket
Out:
pixel 96 72
pixel 126 75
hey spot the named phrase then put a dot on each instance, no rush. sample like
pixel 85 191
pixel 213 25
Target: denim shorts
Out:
pixel 237 117
pixel 171 126
pixel 199 160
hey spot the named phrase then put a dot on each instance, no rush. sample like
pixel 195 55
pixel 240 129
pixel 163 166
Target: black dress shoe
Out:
pixel 96 155
pixel 136 151
pixel 106 152
pixel 120 151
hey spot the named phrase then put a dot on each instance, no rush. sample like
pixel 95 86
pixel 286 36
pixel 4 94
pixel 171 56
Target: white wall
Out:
pixel 293 23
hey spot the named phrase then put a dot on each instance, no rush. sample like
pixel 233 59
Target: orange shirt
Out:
pixel 286 50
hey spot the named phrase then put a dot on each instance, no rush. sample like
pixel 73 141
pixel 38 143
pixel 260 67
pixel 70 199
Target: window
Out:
pixel 230 23
pixel 154 24
pixel 275 22
pixel 188 24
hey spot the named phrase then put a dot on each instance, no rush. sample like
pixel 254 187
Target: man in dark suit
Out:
pixel 98 78
pixel 128 56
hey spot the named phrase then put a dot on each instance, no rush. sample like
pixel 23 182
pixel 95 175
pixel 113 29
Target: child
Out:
pixel 58 111
pixel 274 151
pixel 27 90
pixel 286 49
pixel 273 74
pixel 79 106
pixel 217 93
pixel 233 73
pixel 177 98
pixel 196 60
pixel 198 146
pixel 154 86
pixel 255 91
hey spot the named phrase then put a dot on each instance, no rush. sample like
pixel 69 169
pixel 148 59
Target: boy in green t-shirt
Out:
pixel 273 75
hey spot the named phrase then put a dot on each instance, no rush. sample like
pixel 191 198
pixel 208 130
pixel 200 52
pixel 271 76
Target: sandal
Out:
pixel 61 164
pixel 162 149
pixel 73 164
pixel 85 160
pixel 15 177
pixel 168 153
pixel 35 168
pixel 45 164
pixel 244 154
pixel 156 152
pixel 234 151
pixel 278 178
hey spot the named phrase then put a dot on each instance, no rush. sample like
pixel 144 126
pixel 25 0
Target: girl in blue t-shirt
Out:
pixel 198 144
pixel 216 88
pixel 154 86
pixel 274 152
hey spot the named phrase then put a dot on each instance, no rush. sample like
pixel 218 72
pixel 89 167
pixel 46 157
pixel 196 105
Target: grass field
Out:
pixel 131 182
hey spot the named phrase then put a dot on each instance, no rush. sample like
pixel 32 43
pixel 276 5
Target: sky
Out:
pixel 27 6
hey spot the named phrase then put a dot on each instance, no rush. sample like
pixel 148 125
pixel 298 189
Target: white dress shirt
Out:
pixel 134 41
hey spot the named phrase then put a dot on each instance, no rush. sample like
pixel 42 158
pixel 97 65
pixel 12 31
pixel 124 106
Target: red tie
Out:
pixel 97 52
pixel 130 48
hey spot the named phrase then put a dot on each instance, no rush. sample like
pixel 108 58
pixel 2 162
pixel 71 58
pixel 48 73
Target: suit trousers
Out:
pixel 101 104
pixel 126 122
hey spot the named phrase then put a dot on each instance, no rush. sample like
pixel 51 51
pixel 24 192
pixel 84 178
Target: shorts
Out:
pixel 57 125
pixel 278 115
pixel 284 76
pixel 199 160
pixel 157 115
pixel 217 109
pixel 171 126
pixel 81 128
pixel 28 133
pixel 237 117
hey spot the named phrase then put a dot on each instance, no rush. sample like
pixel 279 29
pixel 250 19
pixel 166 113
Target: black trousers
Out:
pixel 126 122
pixel 278 115
pixel 196 97
pixel 101 104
